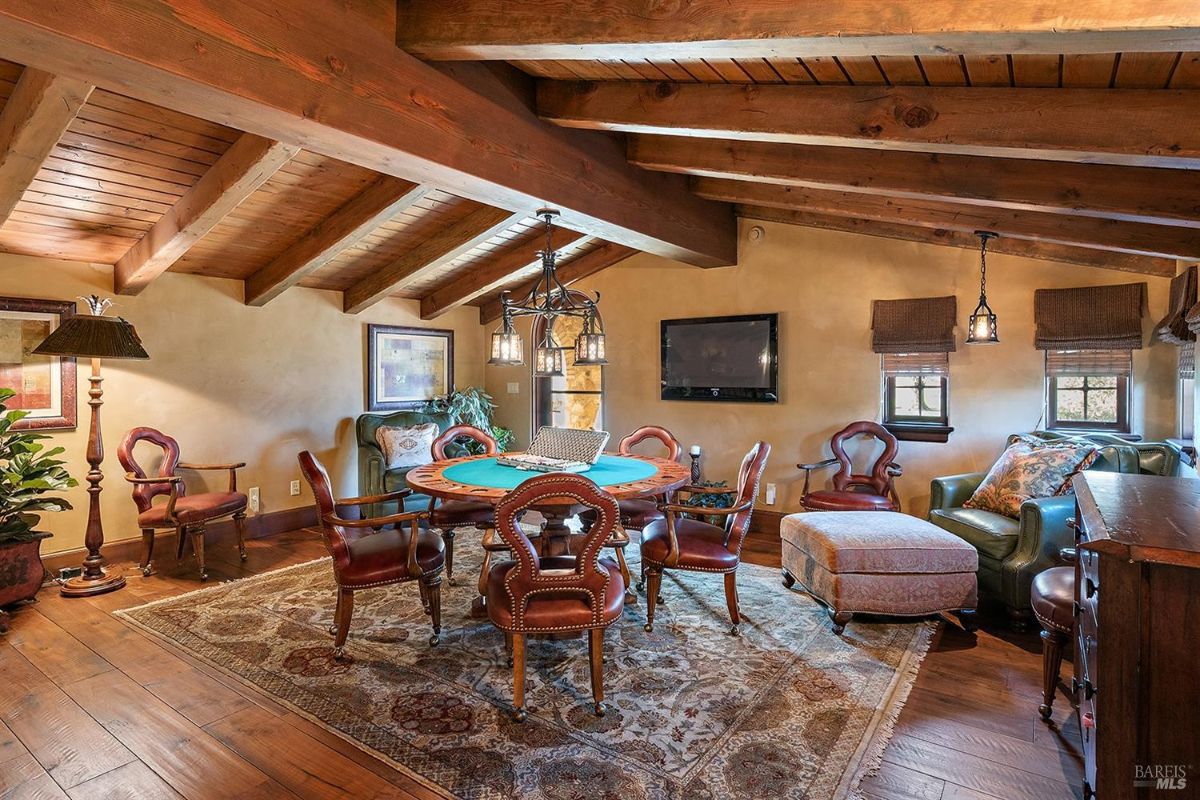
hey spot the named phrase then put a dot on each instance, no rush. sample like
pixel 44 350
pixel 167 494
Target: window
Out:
pixel 915 396
pixel 575 400
pixel 1187 391
pixel 1088 389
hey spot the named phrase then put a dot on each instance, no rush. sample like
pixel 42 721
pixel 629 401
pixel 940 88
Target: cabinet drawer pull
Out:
pixel 1090 588
pixel 1074 686
pixel 1087 720
pixel 1088 791
pixel 1089 691
pixel 1075 608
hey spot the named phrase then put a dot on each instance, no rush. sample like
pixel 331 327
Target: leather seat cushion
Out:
pixel 636 513
pixel 558 612
pixel 701 546
pixel 1053 597
pixel 194 508
pixel 380 558
pixel 992 534
pixel 847 501
pixel 879 543
pixel 462 512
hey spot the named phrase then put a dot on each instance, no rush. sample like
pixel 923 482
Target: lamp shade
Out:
pixel 90 336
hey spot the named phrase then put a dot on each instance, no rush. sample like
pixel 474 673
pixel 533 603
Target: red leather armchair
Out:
pixel 373 552
pixel 555 594
pixel 679 542
pixel 186 514
pixel 446 515
pixel 875 491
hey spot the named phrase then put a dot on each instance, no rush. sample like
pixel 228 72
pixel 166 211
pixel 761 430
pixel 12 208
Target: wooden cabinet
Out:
pixel 1137 632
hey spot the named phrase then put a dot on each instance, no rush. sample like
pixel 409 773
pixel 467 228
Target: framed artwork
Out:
pixel 45 385
pixel 406 367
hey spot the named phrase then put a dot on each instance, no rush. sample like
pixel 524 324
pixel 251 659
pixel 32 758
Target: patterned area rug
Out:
pixel 785 710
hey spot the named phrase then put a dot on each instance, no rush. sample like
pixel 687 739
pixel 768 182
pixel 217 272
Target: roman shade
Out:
pixel 919 325
pixel 1187 362
pixel 916 363
pixel 1090 317
pixel 1174 327
pixel 1067 363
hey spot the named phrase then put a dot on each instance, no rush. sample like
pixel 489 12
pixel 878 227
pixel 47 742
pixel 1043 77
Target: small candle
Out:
pixel 695 450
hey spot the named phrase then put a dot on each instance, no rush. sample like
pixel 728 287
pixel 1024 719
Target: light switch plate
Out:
pixel 770 499
pixel 295 488
pixel 514 387
pixel 252 495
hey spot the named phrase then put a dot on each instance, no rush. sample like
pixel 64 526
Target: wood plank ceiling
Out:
pixel 1084 156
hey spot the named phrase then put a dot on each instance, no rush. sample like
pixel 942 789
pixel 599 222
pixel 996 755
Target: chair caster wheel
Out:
pixel 519 715
pixel 510 663
pixel 244 556
pixel 734 631
pixel 640 586
pixel 203 577
pixel 147 572
pixel 1045 712
pixel 434 640
pixel 837 629
pixel 341 656
pixel 648 628
pixel 660 601
pixel 332 630
pixel 600 709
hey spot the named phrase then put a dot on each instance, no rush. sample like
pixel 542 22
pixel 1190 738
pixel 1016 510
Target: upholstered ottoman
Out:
pixel 879 563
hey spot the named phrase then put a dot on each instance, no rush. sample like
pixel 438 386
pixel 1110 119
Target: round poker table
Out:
pixel 481 478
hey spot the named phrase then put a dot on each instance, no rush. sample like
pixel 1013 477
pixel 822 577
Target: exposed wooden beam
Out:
pixel 1139 127
pixel 574 270
pixel 1102 234
pixel 246 165
pixel 325 75
pixel 35 117
pixel 383 199
pixel 1135 194
pixel 751 29
pixel 429 256
pixel 1044 251
pixel 489 276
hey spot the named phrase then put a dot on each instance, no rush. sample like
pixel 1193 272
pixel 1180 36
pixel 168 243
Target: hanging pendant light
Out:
pixel 508 350
pixel 548 358
pixel 590 346
pixel 545 301
pixel 981 328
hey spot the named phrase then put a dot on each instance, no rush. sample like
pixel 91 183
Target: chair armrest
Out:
pixel 829 462
pixel 238 465
pixel 1068 555
pixel 376 522
pixel 693 489
pixel 1044 532
pixel 675 508
pixel 371 499
pixel 952 491
pixel 129 476
pixel 894 470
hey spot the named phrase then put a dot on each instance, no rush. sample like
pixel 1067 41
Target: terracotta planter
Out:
pixel 21 573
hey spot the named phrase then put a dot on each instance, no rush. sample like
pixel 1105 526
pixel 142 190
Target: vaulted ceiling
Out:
pixel 302 145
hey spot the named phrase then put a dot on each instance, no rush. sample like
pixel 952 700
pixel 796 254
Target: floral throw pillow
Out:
pixel 1030 468
pixel 406 446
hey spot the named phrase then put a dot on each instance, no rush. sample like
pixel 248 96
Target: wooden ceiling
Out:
pixel 152 137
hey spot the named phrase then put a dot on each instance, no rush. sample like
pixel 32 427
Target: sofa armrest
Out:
pixel 1045 532
pixel 952 491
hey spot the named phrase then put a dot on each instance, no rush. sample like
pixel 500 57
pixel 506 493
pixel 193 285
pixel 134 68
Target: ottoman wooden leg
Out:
pixel 788 579
pixel 840 619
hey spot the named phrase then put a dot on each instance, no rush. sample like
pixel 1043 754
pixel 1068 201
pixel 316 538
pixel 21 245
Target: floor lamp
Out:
pixel 93 336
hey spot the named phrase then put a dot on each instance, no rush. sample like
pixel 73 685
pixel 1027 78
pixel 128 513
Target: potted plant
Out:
pixel 28 475
pixel 472 406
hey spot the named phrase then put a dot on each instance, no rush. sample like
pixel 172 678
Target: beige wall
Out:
pixel 230 382
pixel 822 284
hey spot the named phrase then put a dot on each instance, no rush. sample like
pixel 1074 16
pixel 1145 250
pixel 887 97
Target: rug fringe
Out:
pixel 885 728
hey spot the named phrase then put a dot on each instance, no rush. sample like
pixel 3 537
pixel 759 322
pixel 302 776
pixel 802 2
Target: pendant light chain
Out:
pixel 983 243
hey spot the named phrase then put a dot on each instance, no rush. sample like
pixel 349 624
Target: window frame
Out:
pixel 910 428
pixel 1121 426
pixel 542 407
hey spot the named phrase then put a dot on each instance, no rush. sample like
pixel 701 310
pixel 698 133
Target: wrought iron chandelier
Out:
pixel 548 299
pixel 981 328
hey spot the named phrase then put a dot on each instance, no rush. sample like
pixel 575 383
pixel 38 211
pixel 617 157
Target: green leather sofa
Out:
pixel 373 478
pixel 1013 551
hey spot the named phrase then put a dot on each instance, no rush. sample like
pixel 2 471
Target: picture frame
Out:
pixel 45 385
pixel 408 367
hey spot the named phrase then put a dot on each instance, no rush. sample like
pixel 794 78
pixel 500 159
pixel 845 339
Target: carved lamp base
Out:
pixel 86 587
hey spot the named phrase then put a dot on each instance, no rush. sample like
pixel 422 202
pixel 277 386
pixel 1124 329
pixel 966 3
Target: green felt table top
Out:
pixel 607 471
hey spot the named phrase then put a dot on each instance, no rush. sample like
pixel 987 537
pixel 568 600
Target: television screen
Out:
pixel 721 358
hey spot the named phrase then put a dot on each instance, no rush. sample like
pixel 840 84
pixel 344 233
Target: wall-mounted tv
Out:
pixel 721 358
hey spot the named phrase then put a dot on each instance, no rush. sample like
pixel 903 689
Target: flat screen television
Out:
pixel 721 358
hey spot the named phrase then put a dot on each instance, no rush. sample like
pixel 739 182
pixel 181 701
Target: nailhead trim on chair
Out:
pixel 1051 626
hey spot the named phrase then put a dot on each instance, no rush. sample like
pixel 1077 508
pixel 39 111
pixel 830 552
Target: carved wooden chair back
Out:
pixel 585 579
pixel 674 448
pixel 749 477
pixel 456 432
pixel 879 480
pixel 336 537
pixel 144 493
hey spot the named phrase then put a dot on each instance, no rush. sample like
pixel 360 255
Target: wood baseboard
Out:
pixel 766 523
pixel 257 527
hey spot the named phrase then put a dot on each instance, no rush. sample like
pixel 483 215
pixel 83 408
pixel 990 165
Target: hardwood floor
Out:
pixel 91 708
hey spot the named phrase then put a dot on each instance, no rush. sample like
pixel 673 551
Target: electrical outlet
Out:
pixel 295 488
pixel 253 496
pixel 514 387
pixel 770 500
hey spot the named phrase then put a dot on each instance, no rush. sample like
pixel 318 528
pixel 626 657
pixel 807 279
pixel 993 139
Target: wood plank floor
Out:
pixel 93 709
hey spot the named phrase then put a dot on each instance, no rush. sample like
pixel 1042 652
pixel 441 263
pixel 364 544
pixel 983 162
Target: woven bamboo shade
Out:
pixel 1174 327
pixel 1061 363
pixel 916 363
pixel 1090 317
pixel 90 336
pixel 919 325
